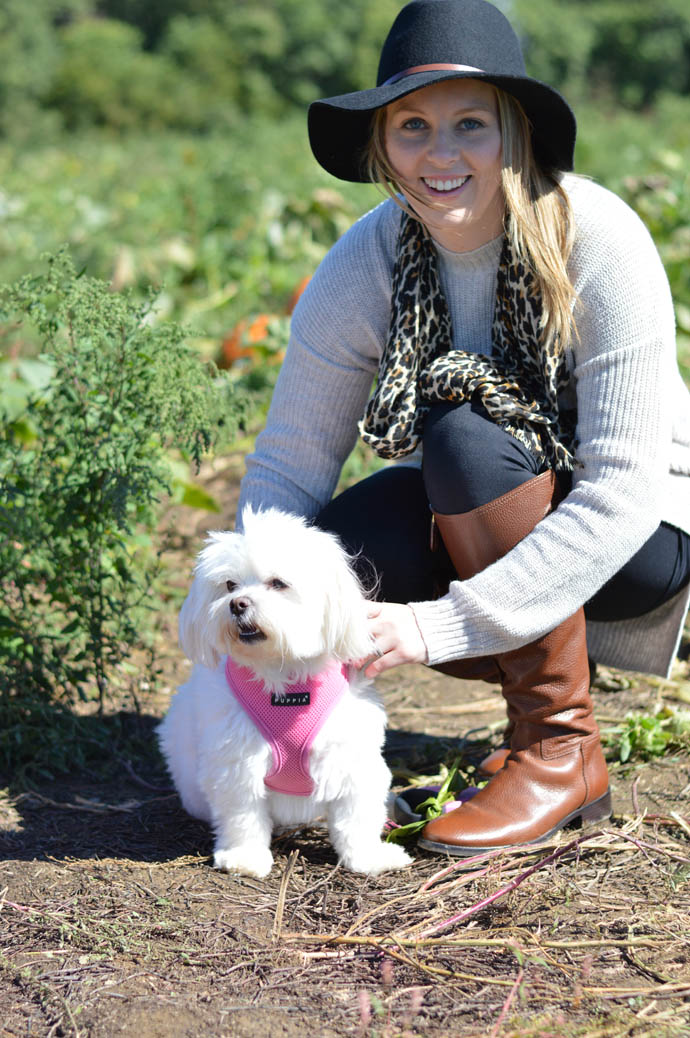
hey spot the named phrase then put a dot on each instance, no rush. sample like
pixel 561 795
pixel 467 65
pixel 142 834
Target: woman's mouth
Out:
pixel 445 185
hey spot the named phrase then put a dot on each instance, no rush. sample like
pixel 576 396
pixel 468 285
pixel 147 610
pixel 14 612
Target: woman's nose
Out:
pixel 444 146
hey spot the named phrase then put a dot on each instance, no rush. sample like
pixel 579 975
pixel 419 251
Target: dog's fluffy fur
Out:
pixel 281 599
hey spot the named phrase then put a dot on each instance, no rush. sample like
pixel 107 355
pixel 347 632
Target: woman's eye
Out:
pixel 230 585
pixel 276 584
pixel 471 124
pixel 413 124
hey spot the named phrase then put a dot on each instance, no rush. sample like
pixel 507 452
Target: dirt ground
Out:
pixel 113 921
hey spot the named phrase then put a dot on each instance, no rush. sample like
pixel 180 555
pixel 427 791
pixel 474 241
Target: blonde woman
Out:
pixel 516 324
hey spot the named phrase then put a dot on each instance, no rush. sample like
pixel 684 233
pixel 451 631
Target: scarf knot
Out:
pixel 518 385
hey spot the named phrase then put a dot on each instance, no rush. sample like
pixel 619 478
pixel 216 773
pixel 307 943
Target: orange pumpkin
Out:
pixel 250 331
pixel 246 334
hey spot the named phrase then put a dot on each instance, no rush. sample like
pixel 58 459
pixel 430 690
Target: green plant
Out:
pixel 82 471
pixel 644 736
pixel 429 809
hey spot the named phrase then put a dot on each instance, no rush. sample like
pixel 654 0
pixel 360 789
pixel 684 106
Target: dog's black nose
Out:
pixel 238 606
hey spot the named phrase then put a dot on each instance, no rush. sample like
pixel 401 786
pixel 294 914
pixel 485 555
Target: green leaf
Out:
pixel 194 496
pixel 429 809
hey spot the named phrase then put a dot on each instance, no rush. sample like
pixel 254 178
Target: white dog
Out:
pixel 273 726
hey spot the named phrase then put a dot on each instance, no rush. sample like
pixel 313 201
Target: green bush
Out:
pixel 229 65
pixel 29 55
pixel 265 59
pixel 104 78
pixel 82 471
pixel 629 50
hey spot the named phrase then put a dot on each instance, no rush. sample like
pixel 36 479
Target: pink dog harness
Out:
pixel 290 720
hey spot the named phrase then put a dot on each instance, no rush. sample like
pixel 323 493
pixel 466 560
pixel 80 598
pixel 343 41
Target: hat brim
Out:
pixel 340 127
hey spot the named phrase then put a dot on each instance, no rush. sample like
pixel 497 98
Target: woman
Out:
pixel 520 325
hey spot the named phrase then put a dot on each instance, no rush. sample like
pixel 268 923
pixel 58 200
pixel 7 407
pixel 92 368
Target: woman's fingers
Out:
pixel 396 637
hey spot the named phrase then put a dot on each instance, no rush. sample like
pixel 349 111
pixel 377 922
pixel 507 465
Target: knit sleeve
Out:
pixel 623 361
pixel 337 335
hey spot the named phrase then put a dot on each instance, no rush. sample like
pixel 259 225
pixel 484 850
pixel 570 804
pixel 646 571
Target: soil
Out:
pixel 113 921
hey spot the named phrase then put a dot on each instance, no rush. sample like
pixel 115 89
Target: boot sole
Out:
pixel 597 811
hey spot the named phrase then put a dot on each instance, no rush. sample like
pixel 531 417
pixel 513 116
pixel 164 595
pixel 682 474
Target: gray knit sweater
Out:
pixel 633 425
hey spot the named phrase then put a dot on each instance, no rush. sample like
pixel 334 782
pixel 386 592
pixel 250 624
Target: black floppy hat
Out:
pixel 430 41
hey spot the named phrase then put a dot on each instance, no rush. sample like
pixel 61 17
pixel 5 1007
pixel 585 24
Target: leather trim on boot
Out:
pixel 475 539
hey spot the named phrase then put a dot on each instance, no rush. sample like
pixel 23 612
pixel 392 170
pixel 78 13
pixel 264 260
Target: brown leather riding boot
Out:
pixel 495 760
pixel 555 772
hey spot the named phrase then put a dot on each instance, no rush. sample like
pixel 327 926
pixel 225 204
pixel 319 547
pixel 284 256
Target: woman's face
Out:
pixel 444 144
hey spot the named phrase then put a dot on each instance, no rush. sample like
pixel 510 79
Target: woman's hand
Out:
pixel 396 636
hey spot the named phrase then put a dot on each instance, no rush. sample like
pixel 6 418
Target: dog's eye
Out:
pixel 230 585
pixel 276 584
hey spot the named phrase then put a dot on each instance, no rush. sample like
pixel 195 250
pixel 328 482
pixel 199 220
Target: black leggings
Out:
pixel 468 461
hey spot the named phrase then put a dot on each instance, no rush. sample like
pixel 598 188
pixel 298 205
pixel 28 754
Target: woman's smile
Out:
pixel 444 187
pixel 444 144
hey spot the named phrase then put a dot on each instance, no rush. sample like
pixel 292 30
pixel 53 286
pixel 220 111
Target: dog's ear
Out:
pixel 346 629
pixel 194 628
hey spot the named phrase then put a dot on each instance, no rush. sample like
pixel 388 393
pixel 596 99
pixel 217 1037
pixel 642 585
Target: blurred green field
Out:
pixel 225 226
pixel 222 227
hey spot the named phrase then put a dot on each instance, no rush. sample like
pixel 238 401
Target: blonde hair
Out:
pixel 538 220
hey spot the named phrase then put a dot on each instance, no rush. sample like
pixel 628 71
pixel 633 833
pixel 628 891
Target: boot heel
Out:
pixel 598 809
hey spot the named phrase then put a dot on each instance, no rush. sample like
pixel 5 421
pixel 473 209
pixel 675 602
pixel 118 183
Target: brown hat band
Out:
pixel 430 68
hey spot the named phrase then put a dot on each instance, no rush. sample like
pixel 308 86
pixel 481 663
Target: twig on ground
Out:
pixel 93 806
pixel 142 782
pixel 659 848
pixel 507 1004
pixel 485 902
pixel 385 942
pixel 477 707
pixel 280 907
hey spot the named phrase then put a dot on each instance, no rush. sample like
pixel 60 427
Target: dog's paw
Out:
pixel 377 858
pixel 249 859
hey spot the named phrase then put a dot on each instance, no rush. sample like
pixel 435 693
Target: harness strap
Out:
pixel 289 721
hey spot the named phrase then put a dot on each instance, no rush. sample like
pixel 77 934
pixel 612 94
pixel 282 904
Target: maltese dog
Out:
pixel 276 726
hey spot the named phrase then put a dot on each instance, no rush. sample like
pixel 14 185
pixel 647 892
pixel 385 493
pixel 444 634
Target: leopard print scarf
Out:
pixel 518 385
